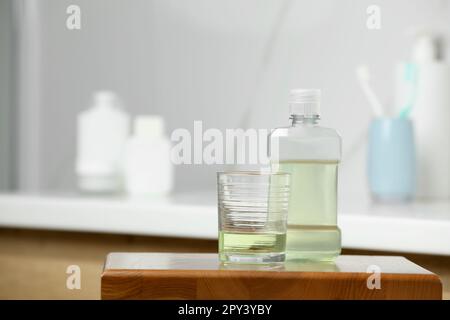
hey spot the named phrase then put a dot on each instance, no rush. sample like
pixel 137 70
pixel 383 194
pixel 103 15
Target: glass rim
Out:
pixel 253 173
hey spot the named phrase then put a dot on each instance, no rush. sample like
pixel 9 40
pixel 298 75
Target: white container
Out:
pixel 431 115
pixel 101 136
pixel 148 167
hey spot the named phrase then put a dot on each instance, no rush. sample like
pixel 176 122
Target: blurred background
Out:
pixel 229 64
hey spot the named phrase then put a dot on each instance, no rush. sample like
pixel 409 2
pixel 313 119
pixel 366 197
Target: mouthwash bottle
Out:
pixel 311 154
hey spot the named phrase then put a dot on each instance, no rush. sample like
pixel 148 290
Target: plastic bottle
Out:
pixel 102 131
pixel 311 154
pixel 148 168
pixel 431 114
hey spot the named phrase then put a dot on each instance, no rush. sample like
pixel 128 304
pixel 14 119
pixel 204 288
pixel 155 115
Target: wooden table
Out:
pixel 201 276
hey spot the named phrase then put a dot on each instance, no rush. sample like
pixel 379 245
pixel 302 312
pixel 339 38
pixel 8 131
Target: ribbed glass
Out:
pixel 253 210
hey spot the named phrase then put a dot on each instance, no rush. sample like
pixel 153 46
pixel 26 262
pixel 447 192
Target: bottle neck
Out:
pixel 302 120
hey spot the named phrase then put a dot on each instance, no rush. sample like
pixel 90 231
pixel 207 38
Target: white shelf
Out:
pixel 415 228
pixel 172 217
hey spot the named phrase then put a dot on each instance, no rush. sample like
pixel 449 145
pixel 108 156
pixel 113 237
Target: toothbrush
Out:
pixel 410 78
pixel 363 75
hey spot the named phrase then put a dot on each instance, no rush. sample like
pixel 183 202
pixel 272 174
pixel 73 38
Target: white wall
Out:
pixel 205 60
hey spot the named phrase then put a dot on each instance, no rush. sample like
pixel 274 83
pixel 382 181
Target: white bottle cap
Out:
pixel 104 97
pixel 425 48
pixel 305 102
pixel 149 126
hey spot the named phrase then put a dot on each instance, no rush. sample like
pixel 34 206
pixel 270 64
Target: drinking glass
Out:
pixel 253 209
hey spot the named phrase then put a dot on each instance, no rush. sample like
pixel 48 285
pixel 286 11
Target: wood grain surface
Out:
pixel 201 276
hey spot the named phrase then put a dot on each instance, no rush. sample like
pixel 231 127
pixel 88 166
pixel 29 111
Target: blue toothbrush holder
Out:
pixel 392 160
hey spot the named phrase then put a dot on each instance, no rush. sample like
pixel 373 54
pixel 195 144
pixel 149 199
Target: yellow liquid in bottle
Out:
pixel 312 220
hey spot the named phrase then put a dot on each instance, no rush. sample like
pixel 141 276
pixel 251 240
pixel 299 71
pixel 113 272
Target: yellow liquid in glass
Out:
pixel 249 246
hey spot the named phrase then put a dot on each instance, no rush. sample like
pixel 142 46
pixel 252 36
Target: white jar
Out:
pixel 148 168
pixel 102 131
